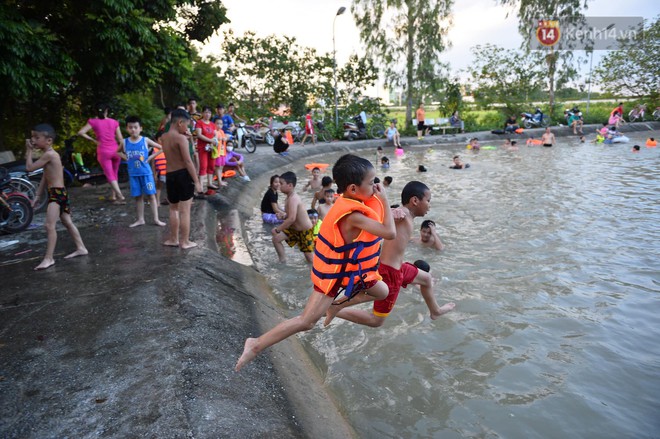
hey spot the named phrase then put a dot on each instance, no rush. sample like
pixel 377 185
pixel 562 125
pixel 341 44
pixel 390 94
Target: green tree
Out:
pixel 95 50
pixel 410 30
pixel 634 68
pixel 508 77
pixel 559 60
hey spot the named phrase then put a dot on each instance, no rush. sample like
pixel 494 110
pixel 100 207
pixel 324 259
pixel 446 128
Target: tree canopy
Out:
pixel 407 38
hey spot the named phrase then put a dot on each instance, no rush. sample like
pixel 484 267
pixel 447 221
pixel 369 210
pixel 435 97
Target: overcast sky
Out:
pixel 475 22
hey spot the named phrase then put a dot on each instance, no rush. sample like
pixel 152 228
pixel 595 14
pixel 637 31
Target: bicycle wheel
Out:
pixel 377 131
pixel 19 215
pixel 250 145
pixel 325 136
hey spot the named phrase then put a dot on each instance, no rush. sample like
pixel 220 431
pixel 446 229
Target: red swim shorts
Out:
pixel 395 279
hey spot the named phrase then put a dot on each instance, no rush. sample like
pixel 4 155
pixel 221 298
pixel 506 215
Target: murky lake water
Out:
pixel 552 257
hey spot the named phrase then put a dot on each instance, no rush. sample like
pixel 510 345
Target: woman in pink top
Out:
pixel 108 140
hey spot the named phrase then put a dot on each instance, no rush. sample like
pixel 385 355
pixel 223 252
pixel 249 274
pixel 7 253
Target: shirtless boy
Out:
pixel 415 201
pixel 182 181
pixel 362 216
pixel 319 196
pixel 314 183
pixel 329 201
pixel 548 139
pixel 297 228
pixel 428 236
pixel 42 138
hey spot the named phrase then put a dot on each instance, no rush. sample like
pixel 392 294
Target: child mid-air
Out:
pixel 359 218
pixel 135 149
pixel 42 138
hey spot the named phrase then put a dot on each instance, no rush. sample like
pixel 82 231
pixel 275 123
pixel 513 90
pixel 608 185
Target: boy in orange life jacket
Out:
pixel 415 202
pixel 356 224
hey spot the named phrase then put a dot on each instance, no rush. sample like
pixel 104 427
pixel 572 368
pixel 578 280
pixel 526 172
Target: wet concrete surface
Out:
pixel 138 339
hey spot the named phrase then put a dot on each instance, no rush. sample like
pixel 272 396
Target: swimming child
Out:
pixel 319 196
pixel 43 136
pixel 636 148
pixel 428 236
pixel 387 181
pixel 359 218
pixel 316 221
pixel 329 201
pixel 314 183
pixel 458 164
pixel 651 142
pixel 385 162
pixel 135 149
pixel 421 168
pixel 474 144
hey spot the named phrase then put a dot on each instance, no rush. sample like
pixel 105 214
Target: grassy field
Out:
pixel 486 120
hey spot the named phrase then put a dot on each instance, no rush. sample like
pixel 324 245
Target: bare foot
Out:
pixel 171 243
pixel 159 223
pixel 45 264
pixel 249 353
pixel 222 183
pixel 120 202
pixel 137 223
pixel 444 309
pixel 188 245
pixel 331 313
pixel 80 252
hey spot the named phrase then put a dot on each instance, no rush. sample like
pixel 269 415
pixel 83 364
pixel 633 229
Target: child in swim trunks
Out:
pixel 42 138
pixel 358 218
pixel 415 201
pixel 296 229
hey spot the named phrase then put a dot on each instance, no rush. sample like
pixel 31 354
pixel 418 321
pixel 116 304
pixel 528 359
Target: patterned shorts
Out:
pixel 59 195
pixel 304 240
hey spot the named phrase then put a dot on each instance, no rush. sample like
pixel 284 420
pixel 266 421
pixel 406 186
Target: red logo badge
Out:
pixel 547 32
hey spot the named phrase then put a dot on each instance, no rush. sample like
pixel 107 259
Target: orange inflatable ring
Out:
pixel 519 131
pixel 229 173
pixel 651 143
pixel 534 142
pixel 321 166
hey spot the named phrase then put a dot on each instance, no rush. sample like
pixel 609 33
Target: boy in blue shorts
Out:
pixel 141 177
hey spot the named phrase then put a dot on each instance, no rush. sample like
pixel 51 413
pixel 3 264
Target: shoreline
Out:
pixel 140 340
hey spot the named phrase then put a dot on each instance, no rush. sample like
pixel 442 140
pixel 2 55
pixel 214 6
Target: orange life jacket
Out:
pixel 160 162
pixel 289 137
pixel 534 142
pixel 651 143
pixel 338 261
pixel 222 144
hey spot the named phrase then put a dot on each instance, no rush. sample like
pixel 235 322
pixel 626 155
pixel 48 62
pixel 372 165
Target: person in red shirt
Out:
pixel 309 128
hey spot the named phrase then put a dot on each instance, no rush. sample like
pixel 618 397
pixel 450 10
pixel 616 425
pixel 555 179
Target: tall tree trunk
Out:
pixel 552 66
pixel 410 58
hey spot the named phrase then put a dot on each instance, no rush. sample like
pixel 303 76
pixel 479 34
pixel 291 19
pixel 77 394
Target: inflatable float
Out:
pixel 321 166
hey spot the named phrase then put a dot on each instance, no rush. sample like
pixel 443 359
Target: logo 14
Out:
pixel 547 32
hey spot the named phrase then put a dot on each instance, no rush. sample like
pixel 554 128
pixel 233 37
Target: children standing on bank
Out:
pixel 42 138
pixel 135 149
pixel 359 218
pixel 182 180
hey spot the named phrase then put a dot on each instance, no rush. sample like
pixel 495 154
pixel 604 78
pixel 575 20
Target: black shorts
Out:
pixel 547 145
pixel 180 186
pixel 421 126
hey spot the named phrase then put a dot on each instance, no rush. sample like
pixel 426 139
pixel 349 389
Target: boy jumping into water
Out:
pixel 359 218
pixel 42 138
pixel 181 181
pixel 415 201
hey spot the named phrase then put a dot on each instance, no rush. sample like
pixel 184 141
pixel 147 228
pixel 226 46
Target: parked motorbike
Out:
pixel 25 182
pixel 16 211
pixel 656 114
pixel 536 120
pixel 75 169
pixel 244 138
pixel 356 128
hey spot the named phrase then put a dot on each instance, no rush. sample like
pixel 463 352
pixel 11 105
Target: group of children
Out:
pixel 358 254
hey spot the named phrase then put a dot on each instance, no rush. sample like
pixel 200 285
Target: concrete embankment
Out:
pixel 138 339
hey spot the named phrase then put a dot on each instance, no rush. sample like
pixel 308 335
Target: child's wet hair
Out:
pixel 312 212
pixel 46 129
pixel 326 181
pixel 290 178
pixel 350 169
pixel 413 189
pixel 421 168
pixel 388 180
pixel 329 191
pixel 426 224
pixel 422 265
pixel 376 180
